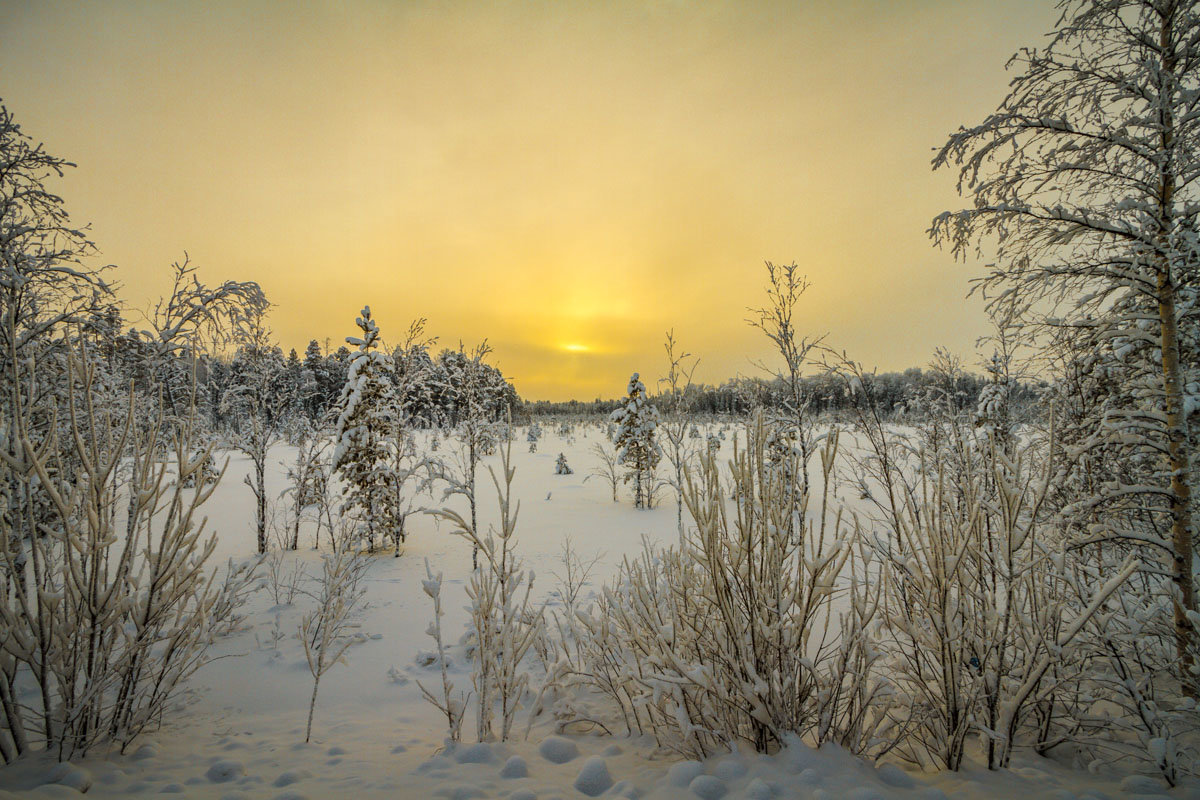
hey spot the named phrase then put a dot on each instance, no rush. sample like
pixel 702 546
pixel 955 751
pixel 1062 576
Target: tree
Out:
pixel 474 394
pixel 327 631
pixel 677 383
pixel 251 400
pixel 45 287
pixel 637 422
pixel 364 433
pixel 792 423
pixel 195 320
pixel 1086 176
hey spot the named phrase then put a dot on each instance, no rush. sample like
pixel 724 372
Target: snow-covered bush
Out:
pixel 326 631
pixel 608 466
pixel 561 467
pixel 535 433
pixel 505 622
pixel 452 706
pixel 107 614
pixel 747 634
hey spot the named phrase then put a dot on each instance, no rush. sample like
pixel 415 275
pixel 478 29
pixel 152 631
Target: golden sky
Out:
pixel 567 179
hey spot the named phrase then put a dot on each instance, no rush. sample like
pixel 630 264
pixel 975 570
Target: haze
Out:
pixel 568 180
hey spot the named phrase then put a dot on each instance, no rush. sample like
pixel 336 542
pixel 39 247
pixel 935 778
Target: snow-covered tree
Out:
pixel 678 380
pixel 327 630
pixel 1086 176
pixel 637 423
pixel 250 401
pixel 608 466
pixel 793 417
pixel 561 467
pixel 475 397
pixel 46 285
pixel 505 621
pixel 365 434
pixel 193 321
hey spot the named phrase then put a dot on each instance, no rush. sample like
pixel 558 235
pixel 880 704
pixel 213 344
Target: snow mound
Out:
pixel 71 776
pixel 758 789
pixel 558 750
pixel 893 776
pixel 730 768
pixel 225 771
pixel 292 776
pixel 145 751
pixel 460 792
pixel 708 787
pixel 683 773
pixel 593 779
pixel 515 767
pixel 624 789
pixel 475 754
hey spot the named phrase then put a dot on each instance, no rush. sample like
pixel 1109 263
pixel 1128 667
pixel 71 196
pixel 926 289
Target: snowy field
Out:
pixel 241 734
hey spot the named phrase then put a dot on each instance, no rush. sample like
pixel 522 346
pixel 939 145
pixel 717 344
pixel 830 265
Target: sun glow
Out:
pixel 574 347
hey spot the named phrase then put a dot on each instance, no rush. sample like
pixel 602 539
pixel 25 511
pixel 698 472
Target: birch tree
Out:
pixel 1086 177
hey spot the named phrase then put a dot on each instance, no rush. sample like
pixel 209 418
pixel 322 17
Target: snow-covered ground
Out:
pixel 241 734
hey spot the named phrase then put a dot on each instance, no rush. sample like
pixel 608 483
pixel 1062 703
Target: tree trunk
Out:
pixel 1179 463
pixel 1178 460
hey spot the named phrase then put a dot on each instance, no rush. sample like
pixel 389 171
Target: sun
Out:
pixel 575 347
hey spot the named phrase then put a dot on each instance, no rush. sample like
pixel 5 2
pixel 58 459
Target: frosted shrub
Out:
pixel 452 706
pixel 747 634
pixel 608 467
pixel 106 613
pixel 505 623
pixel 327 630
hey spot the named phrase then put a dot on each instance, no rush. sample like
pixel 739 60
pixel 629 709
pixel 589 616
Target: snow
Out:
pixel 593 779
pixel 241 731
pixel 558 750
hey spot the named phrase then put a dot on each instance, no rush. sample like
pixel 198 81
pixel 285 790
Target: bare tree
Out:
pixel 793 428
pixel 326 630
pixel 681 367
pixel 257 426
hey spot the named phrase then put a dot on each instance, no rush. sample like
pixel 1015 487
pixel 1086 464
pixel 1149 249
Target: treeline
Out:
pixel 897 394
pixel 301 387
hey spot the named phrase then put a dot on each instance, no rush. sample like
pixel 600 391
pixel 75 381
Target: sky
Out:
pixel 568 180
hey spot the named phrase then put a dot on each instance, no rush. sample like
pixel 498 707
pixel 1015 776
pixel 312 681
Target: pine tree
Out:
pixel 637 422
pixel 365 434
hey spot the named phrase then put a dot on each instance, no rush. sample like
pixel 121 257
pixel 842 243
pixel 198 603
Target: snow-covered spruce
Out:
pixel 637 449
pixel 365 436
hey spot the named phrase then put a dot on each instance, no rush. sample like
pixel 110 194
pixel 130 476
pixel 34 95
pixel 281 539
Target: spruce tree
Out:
pixel 637 422
pixel 364 434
